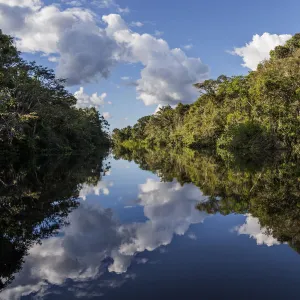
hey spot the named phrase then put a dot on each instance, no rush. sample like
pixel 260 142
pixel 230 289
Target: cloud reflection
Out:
pixel 253 228
pixel 101 188
pixel 95 242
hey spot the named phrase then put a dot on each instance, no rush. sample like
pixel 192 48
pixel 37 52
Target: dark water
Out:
pixel 189 227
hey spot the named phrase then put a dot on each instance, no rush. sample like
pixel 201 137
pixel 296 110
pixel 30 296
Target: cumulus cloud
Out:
pixel 259 48
pixel 86 52
pixel 33 4
pixel 168 74
pixel 255 231
pixel 96 243
pixel 84 100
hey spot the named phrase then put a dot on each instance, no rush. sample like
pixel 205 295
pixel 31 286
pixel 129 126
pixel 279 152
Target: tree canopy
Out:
pixel 256 112
pixel 37 113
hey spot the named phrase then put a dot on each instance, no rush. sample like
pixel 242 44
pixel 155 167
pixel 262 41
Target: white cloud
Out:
pixel 259 48
pixel 137 24
pixel 107 115
pixel 32 4
pixel 87 52
pixel 109 102
pixel 125 78
pixel 84 100
pixel 168 74
pixel 53 59
pixel 40 29
pixel 188 46
pixel 254 230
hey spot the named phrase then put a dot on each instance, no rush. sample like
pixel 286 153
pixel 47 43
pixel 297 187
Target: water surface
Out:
pixel 121 232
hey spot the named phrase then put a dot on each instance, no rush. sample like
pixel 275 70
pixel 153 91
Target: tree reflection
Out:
pixel 36 196
pixel 267 187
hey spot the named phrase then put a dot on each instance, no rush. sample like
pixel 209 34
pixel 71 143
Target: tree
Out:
pixel 37 113
pixel 256 112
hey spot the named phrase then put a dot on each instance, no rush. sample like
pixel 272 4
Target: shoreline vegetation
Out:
pixel 38 115
pixel 253 114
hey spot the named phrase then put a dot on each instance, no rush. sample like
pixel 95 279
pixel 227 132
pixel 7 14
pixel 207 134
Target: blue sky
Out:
pixel 201 29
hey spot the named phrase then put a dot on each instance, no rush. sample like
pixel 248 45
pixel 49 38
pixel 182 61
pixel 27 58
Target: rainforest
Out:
pixel 38 115
pixel 255 113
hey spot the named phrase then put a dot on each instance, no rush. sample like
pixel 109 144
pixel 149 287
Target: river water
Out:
pixel 141 234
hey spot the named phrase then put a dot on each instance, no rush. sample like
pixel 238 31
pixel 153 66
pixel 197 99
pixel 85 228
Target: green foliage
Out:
pixel 37 113
pixel 288 49
pixel 248 136
pixel 256 112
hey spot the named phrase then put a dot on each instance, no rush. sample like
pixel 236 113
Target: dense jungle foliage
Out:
pixel 36 197
pixel 260 111
pixel 268 188
pixel 37 114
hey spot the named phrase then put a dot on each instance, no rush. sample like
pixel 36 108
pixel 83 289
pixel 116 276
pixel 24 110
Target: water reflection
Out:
pixel 36 197
pixel 266 188
pixel 76 254
pixel 102 187
pixel 59 240
pixel 253 228
pixel 169 208
pixel 95 242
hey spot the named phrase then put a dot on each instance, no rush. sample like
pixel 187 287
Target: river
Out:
pixel 131 230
